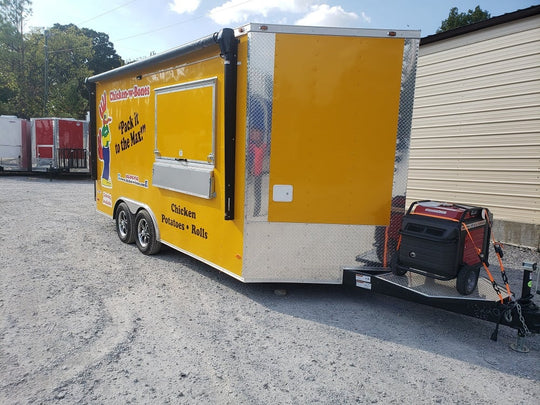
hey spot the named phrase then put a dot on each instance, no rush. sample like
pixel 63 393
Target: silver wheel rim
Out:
pixel 143 233
pixel 123 223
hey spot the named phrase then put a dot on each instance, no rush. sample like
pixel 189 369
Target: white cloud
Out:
pixel 241 11
pixel 324 15
pixel 366 18
pixel 244 11
pixel 184 6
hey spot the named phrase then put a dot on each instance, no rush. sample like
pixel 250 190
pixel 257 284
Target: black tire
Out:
pixel 145 234
pixel 396 269
pixel 125 223
pixel 467 279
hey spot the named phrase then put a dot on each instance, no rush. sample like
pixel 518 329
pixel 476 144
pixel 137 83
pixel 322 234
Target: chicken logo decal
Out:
pixel 104 142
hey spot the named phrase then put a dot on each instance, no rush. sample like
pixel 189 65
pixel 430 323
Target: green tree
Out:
pixel 8 78
pixel 456 19
pixel 42 72
pixel 35 58
pixel 105 57
pixel 74 54
pixel 67 54
pixel 13 77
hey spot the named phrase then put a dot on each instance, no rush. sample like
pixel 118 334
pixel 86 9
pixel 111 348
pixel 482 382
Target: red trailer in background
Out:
pixel 14 144
pixel 59 144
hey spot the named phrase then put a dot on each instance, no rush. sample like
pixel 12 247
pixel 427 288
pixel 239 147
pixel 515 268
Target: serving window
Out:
pixel 185 137
pixel 185 121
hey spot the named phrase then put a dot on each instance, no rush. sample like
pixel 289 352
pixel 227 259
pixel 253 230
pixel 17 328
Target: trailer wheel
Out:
pixel 396 269
pixel 124 224
pixel 146 234
pixel 467 279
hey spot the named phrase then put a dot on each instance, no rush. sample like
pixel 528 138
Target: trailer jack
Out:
pixel 519 345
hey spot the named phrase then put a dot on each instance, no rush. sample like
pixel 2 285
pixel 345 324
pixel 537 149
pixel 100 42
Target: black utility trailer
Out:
pixel 436 258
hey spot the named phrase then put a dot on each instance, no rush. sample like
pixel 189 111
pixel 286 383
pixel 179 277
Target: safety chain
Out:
pixel 504 277
pixel 526 330
pixel 497 246
pixel 496 288
pixel 508 316
pixel 515 303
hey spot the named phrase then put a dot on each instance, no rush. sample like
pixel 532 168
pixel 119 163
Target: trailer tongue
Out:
pixel 484 303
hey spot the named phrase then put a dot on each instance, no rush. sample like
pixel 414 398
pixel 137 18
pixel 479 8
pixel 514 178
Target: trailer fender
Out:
pixel 134 208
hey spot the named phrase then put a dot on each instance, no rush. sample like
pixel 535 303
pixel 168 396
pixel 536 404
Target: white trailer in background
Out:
pixel 14 144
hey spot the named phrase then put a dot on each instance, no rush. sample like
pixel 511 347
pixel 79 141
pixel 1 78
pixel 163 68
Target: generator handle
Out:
pixel 415 203
pixel 471 210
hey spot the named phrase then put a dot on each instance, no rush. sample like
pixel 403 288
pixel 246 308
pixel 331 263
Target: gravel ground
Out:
pixel 88 319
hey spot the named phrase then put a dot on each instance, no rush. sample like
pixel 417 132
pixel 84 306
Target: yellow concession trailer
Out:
pixel 272 153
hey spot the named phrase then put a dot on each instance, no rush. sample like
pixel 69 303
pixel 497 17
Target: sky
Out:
pixel 139 28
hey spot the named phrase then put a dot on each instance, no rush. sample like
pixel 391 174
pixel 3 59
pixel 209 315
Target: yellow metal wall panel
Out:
pixel 191 224
pixel 185 123
pixel 334 128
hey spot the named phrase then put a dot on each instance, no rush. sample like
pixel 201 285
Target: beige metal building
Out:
pixel 476 122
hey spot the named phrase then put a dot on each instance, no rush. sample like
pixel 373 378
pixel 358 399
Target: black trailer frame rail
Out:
pixel 484 304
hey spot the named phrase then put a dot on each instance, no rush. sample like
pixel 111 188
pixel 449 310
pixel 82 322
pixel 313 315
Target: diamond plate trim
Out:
pixel 308 252
pixel 431 287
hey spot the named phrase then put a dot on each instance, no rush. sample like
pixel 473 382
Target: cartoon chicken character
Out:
pixel 104 141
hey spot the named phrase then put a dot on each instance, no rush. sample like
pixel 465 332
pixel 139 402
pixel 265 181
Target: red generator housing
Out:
pixel 59 143
pixel 440 240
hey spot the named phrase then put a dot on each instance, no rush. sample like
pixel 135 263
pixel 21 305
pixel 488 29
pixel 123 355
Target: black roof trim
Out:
pixel 508 17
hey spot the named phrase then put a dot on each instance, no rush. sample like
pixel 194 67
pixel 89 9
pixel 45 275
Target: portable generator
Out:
pixel 444 241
